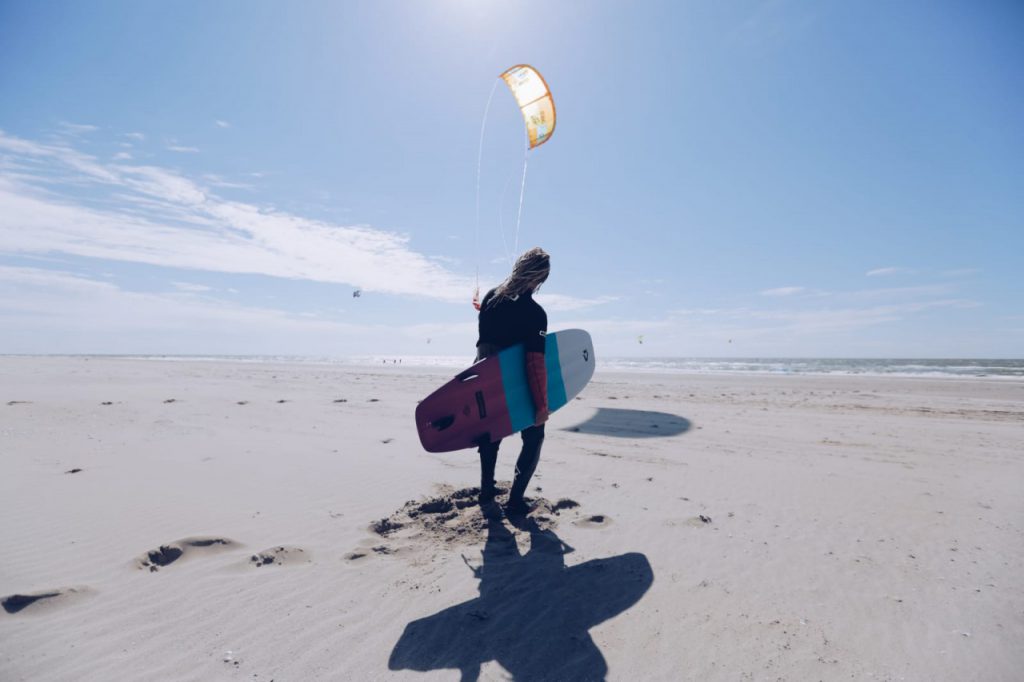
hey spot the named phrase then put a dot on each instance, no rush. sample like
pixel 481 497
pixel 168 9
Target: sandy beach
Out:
pixel 201 520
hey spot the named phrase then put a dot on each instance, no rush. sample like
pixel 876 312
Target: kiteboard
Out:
pixel 491 399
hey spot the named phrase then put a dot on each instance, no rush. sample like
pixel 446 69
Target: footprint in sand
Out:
pixel 593 521
pixel 431 515
pixel 282 555
pixel 694 521
pixel 385 526
pixel 369 549
pixel 450 517
pixel 564 503
pixel 35 602
pixel 165 555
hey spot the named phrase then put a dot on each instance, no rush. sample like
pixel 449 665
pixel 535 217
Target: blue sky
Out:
pixel 726 179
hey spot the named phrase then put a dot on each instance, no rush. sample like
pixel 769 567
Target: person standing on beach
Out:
pixel 510 316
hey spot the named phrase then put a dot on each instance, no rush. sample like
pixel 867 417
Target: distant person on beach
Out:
pixel 510 316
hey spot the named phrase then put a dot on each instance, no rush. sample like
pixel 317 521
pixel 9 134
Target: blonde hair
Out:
pixel 529 272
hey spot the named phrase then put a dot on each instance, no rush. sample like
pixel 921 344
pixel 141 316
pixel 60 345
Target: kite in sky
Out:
pixel 538 108
pixel 534 99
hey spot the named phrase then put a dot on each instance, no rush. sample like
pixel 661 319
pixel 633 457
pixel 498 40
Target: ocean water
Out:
pixel 953 367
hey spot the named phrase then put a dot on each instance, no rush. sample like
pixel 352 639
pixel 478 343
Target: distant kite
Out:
pixel 357 293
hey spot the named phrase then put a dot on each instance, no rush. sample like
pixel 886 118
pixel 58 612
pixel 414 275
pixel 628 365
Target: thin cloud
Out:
pixel 812 320
pixel 215 180
pixel 153 215
pixel 619 326
pixel 190 287
pixel 71 313
pixel 890 270
pixel 122 156
pixel 222 124
pixel 784 332
pixel 182 149
pixel 898 293
pixel 563 303
pixel 459 331
pixel 58 311
pixel 960 272
pixel 139 137
pixel 782 291
pixel 450 260
pixel 76 129
pixel 846 319
pixel 51 164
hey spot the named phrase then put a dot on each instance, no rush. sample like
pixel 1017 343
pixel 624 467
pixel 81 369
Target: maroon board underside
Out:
pixel 460 400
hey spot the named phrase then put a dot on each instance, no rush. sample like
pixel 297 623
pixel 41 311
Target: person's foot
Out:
pixel 488 493
pixel 517 508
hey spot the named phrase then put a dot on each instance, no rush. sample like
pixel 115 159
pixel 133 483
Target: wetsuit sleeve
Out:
pixel 536 370
pixel 536 338
pixel 537 379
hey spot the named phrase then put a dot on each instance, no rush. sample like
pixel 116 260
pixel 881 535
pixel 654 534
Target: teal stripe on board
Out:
pixel 517 392
pixel 556 387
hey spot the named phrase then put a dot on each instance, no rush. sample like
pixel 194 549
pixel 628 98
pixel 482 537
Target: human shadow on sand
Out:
pixel 610 421
pixel 533 614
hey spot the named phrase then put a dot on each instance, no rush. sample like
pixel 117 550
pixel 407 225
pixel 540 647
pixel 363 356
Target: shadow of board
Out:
pixel 610 421
pixel 533 614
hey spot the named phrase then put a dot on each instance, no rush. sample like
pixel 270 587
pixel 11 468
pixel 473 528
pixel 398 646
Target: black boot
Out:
pixel 533 438
pixel 488 459
pixel 487 494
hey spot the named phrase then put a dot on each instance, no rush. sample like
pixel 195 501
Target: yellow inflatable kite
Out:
pixel 534 99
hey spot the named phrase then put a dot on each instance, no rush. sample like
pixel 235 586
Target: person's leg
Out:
pixel 488 460
pixel 488 451
pixel 533 439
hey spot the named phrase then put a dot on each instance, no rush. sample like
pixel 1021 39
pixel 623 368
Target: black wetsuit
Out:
pixel 506 322
pixel 503 323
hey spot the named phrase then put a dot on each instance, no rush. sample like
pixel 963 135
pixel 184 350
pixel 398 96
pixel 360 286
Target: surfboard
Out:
pixel 491 399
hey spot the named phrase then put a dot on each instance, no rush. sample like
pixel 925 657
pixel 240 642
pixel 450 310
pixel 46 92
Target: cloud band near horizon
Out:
pixel 153 215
